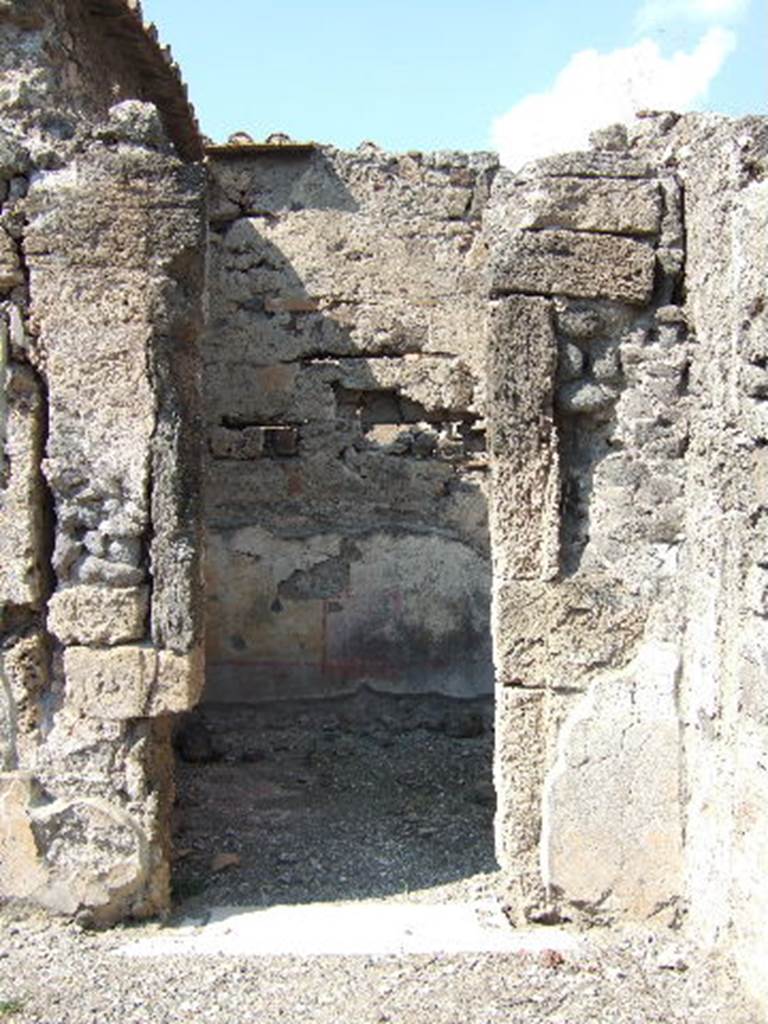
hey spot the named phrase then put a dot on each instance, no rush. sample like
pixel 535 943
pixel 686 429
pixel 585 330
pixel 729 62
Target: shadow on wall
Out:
pixel 347 519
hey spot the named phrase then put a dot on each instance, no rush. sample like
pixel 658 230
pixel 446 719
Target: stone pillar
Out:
pixel 102 628
pixel 723 689
pixel 586 359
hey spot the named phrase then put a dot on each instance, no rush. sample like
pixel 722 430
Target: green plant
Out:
pixel 9 1006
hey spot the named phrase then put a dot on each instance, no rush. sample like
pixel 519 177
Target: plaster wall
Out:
pixel 347 472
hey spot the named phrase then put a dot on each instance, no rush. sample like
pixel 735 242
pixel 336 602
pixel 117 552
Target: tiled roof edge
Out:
pixel 160 77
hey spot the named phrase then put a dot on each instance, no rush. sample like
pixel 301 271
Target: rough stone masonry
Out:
pixel 433 400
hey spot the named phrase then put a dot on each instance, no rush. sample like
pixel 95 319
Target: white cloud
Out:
pixel 597 89
pixel 654 14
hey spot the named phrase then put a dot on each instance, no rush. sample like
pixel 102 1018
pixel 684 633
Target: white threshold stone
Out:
pixel 366 928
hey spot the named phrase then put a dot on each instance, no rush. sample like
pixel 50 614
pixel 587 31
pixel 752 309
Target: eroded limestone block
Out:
pixel 24 673
pixel 131 681
pixel 21 504
pixel 7 725
pixel 98 615
pixel 613 205
pixel 432 381
pixel 21 872
pixel 94 858
pixel 560 634
pixel 523 439
pixel 526 722
pixel 247 443
pixel 593 164
pixel 135 122
pixel 572 263
pixel 179 682
pixel 518 775
pixel 586 397
pixel 113 684
pixel 14 159
pixel 11 273
pixel 612 820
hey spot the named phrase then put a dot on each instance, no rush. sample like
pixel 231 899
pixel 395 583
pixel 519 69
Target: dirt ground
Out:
pixel 362 797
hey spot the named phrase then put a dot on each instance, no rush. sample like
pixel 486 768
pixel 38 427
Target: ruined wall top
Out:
pixel 160 75
pixel 86 55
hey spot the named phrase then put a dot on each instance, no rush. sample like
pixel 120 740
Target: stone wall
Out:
pixel 723 689
pixel 344 369
pixel 386 333
pixel 627 438
pixel 101 277
pixel 589 433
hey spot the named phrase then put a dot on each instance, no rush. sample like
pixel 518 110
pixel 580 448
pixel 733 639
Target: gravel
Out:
pixel 371 798
pixel 366 797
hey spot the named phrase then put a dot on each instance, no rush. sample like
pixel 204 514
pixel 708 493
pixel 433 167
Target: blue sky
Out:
pixel 521 77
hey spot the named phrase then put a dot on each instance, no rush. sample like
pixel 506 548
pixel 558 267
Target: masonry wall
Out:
pixel 101 275
pixel 724 685
pixel 347 468
pixel 627 438
pixel 588 358
pixel 383 331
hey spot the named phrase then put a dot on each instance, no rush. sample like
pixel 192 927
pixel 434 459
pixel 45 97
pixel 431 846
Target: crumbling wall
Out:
pixel 102 235
pixel 627 439
pixel 588 427
pixel 603 314
pixel 723 689
pixel 344 369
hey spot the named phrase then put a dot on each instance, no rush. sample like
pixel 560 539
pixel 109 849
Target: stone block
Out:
pixel 21 496
pixel 617 206
pixel 247 443
pixel 111 684
pixel 573 264
pixel 592 164
pixel 179 684
pixel 523 441
pixel 525 723
pixel 559 634
pixel 586 398
pixel 611 817
pixel 176 542
pixel 24 677
pixel 7 725
pixel 21 872
pixel 135 122
pixel 518 773
pixel 14 159
pixel 98 615
pixel 93 855
pixel 436 382
pixel 11 273
pixel 131 681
